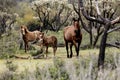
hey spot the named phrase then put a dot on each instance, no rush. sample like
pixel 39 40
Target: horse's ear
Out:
pixel 21 26
pixel 42 33
pixel 78 19
pixel 74 19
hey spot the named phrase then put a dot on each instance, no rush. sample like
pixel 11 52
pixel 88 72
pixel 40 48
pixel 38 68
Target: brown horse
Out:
pixel 48 41
pixel 29 36
pixel 72 34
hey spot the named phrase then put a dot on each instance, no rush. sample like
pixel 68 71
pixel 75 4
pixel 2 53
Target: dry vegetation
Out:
pixel 53 68
pixel 61 68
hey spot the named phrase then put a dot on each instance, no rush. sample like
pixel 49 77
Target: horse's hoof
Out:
pixel 70 56
pixel 77 57
pixel 67 56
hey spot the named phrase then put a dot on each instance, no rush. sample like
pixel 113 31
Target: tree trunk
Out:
pixel 103 47
pixel 91 39
pixel 96 40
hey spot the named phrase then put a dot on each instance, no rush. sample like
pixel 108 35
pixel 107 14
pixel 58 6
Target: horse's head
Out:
pixel 23 29
pixel 76 22
pixel 41 36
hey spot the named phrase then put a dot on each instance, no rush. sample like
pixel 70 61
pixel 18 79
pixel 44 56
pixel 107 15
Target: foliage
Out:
pixel 7 15
pixel 52 15
pixel 34 25
pixel 84 68
pixel 107 20
pixel 25 13
pixel 9 44
pixel 108 10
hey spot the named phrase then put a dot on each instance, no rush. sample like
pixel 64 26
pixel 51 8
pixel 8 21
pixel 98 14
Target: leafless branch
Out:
pixel 90 18
pixel 111 30
pixel 112 45
pixel 97 8
pixel 116 20
pixel 113 12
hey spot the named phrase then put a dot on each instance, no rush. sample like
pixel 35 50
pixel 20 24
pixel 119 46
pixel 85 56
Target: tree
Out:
pixel 7 18
pixel 108 27
pixel 95 29
pixel 52 15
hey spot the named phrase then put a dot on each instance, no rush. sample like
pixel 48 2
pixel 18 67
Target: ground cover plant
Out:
pixel 50 17
pixel 61 68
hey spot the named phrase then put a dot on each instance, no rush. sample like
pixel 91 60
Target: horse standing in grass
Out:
pixel 47 41
pixel 29 36
pixel 72 34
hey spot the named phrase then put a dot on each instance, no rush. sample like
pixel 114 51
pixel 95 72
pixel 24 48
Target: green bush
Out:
pixel 9 44
pixel 33 25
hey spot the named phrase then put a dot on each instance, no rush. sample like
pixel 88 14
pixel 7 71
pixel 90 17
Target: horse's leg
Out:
pixel 66 43
pixel 54 50
pixel 54 46
pixel 46 51
pixel 71 50
pixel 25 43
pixel 25 47
pixel 78 48
pixel 43 50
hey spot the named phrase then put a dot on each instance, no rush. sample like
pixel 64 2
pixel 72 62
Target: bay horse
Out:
pixel 47 41
pixel 72 34
pixel 29 36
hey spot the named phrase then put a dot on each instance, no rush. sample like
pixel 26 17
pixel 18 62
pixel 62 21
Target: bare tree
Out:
pixel 94 29
pixel 108 23
pixel 7 18
pixel 52 15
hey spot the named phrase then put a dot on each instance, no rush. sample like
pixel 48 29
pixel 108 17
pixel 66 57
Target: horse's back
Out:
pixel 52 40
pixel 32 36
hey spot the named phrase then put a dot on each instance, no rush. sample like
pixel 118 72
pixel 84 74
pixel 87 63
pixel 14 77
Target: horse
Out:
pixel 29 36
pixel 72 34
pixel 47 41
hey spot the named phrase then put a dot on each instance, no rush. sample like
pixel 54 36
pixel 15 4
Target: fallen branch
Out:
pixel 19 57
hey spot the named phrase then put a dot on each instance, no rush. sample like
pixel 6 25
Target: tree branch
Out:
pixel 111 16
pixel 112 45
pixel 111 30
pixel 91 18
pixel 116 20
pixel 77 11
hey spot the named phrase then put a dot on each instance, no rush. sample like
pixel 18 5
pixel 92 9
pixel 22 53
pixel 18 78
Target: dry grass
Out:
pixel 31 64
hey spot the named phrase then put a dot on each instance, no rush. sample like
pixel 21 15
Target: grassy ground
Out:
pixel 31 64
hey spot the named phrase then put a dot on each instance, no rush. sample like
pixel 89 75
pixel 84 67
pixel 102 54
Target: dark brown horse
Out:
pixel 29 36
pixel 72 35
pixel 48 41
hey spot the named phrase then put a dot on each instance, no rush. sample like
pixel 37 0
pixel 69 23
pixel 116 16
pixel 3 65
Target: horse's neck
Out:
pixel 77 26
pixel 44 38
pixel 27 31
pixel 77 29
